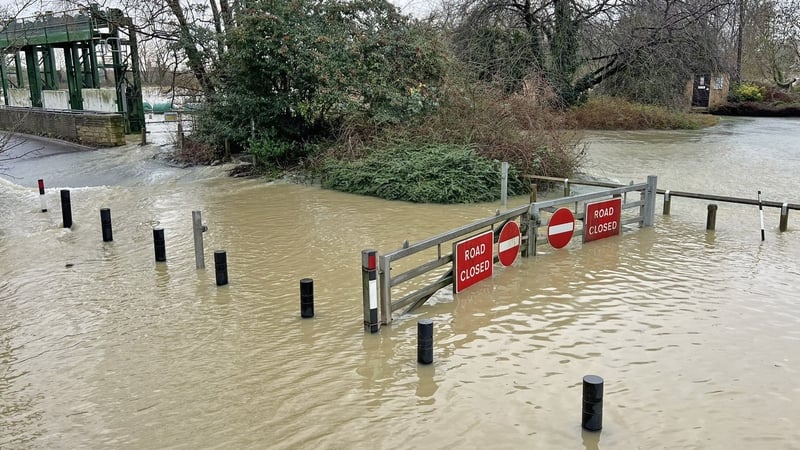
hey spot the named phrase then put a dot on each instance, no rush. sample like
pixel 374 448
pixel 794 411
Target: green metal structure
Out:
pixel 91 40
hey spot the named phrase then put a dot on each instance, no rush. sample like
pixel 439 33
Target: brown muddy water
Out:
pixel 697 334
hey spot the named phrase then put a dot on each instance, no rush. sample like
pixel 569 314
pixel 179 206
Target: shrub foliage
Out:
pixel 428 174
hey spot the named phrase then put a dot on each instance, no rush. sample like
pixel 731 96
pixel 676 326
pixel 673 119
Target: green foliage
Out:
pixel 271 152
pixel 428 174
pixel 295 69
pixel 520 129
pixel 746 92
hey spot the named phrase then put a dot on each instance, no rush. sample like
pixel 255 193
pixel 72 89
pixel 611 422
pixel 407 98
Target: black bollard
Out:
pixel 66 208
pixel 306 298
pixel 221 267
pixel 425 341
pixel 159 244
pixel 592 403
pixel 105 223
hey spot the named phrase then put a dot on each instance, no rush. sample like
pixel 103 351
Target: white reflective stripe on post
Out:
pixel 373 294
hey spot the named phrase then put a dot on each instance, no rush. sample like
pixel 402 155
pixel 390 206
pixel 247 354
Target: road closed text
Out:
pixel 474 271
pixel 602 219
pixel 474 260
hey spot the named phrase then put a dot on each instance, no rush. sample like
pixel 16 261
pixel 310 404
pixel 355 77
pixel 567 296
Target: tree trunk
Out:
pixel 194 57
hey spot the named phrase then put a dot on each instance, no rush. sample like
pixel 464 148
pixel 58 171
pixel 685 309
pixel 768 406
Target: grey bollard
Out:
pixel 425 341
pixel 711 220
pixel 159 244
pixel 221 267
pixel 592 419
pixel 198 230
pixel 105 224
pixel 306 298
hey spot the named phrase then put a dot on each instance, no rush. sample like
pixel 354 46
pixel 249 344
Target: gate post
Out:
pixel 534 219
pixel 649 212
pixel 385 275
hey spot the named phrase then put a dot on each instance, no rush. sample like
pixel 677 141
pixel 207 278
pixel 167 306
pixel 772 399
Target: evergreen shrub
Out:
pixel 443 173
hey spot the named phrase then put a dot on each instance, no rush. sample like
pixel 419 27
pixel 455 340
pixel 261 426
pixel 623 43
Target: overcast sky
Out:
pixel 418 8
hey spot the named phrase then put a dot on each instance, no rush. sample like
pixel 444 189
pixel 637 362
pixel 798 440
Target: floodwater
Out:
pixel 696 334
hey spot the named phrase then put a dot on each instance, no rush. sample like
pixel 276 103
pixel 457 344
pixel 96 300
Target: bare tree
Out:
pixel 772 44
pixel 9 141
pixel 580 44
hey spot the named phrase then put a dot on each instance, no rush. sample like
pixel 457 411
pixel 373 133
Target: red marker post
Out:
pixel 369 281
pixel 41 195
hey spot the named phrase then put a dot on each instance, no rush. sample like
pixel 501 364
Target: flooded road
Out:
pixel 696 334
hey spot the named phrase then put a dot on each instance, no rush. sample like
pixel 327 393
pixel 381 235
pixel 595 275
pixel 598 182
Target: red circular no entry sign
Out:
pixel 508 243
pixel 560 228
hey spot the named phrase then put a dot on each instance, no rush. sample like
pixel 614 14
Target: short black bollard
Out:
pixel 306 298
pixel 667 202
pixel 425 341
pixel 41 195
pixel 159 244
pixel 221 267
pixel 592 403
pixel 711 220
pixel 105 223
pixel 66 208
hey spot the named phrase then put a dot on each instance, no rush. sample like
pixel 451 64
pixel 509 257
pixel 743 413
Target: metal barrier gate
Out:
pixel 437 261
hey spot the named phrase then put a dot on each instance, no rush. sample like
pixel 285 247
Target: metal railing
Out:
pixel 645 203
pixel 392 278
pixel 444 256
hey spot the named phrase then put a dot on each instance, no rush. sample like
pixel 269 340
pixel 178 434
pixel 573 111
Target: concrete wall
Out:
pixel 103 99
pixel 19 97
pixel 57 99
pixel 87 128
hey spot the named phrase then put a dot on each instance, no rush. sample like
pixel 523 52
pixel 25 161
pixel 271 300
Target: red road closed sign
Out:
pixel 508 243
pixel 602 219
pixel 474 260
pixel 561 227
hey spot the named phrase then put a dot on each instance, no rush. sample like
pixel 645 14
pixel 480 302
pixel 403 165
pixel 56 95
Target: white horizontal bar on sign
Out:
pixel 562 228
pixel 507 244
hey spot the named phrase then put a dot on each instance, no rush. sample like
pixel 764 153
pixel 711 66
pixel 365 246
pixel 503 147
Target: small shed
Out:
pixel 707 90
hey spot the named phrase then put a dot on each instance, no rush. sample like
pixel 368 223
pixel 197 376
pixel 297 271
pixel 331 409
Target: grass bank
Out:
pixel 610 113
